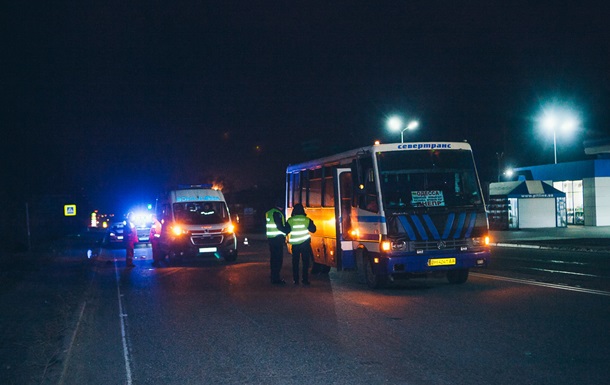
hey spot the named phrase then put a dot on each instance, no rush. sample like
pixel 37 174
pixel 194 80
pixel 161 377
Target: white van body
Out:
pixel 195 222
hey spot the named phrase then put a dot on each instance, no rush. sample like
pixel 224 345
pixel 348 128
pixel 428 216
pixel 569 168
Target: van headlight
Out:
pixel 229 229
pixel 178 230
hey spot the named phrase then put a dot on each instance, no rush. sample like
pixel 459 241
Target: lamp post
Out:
pixel 395 124
pixel 553 120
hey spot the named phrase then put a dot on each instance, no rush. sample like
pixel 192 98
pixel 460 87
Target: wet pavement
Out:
pixel 577 238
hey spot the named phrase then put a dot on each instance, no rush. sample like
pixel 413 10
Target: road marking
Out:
pixel 69 353
pixel 124 337
pixel 561 272
pixel 534 283
pixel 559 262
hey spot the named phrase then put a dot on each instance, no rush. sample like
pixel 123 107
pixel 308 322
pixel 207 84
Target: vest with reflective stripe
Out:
pixel 299 232
pixel 272 230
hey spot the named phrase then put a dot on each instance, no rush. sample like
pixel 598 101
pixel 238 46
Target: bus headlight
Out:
pixel 386 246
pixel 480 241
pixel 392 246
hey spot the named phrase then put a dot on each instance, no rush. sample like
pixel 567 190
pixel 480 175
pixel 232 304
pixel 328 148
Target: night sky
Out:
pixel 116 98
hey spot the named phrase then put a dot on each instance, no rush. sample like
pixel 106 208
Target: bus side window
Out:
pixel 368 196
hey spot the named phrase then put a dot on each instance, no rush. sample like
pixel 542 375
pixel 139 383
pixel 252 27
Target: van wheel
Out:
pixel 172 258
pixel 373 280
pixel 457 277
pixel 230 257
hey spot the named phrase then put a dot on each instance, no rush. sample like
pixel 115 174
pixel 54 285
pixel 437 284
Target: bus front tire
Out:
pixel 373 280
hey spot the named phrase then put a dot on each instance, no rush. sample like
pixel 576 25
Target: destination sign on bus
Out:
pixel 419 146
pixel 432 198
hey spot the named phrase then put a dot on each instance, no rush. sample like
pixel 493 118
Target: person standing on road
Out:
pixel 130 238
pixel 277 228
pixel 154 235
pixel 300 240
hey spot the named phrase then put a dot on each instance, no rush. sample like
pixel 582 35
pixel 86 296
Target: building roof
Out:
pixel 524 189
pixel 594 168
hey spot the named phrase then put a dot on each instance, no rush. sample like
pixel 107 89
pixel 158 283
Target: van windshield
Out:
pixel 201 213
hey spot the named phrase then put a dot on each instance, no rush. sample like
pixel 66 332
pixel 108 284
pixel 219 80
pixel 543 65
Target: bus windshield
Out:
pixel 435 178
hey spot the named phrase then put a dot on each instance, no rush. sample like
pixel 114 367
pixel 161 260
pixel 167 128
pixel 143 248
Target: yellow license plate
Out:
pixel 441 261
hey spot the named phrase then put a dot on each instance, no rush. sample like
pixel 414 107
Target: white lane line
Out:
pixel 562 272
pixel 550 285
pixel 123 329
pixel 69 353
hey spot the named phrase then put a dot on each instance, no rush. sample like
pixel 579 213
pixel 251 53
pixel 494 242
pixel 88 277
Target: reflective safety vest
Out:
pixel 272 230
pixel 155 230
pixel 299 232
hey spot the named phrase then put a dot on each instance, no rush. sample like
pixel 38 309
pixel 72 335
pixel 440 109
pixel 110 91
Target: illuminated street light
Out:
pixel 395 123
pixel 558 119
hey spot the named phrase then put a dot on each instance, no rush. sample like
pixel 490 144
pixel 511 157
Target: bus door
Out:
pixel 343 208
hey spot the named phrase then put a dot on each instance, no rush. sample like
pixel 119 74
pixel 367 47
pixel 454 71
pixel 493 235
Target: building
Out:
pixel 586 184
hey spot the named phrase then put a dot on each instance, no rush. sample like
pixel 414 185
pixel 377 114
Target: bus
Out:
pixel 390 211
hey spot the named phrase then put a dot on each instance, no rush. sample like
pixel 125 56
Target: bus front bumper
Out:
pixel 430 262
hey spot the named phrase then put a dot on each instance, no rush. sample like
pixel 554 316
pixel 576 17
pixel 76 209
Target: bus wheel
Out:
pixel 457 276
pixel 361 262
pixel 374 281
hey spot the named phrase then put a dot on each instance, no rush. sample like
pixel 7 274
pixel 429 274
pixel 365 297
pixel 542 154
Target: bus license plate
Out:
pixel 441 261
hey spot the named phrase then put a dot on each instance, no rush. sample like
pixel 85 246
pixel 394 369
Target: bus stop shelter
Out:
pixel 526 204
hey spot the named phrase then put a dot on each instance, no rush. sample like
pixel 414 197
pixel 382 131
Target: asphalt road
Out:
pixel 208 322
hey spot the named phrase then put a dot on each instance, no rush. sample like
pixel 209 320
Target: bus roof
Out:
pixel 347 156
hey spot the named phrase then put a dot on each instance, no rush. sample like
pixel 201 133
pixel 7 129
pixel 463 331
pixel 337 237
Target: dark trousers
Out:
pixel 156 252
pixel 302 253
pixel 129 252
pixel 276 250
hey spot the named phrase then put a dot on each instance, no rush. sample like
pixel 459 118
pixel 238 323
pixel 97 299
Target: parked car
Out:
pixel 114 234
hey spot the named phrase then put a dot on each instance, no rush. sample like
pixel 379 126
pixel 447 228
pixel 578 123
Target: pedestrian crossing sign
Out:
pixel 69 210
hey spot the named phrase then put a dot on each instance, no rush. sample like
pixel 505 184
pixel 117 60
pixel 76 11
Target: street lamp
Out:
pixel 395 123
pixel 555 119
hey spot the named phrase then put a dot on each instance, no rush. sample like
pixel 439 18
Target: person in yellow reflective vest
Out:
pixel 277 228
pixel 300 240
